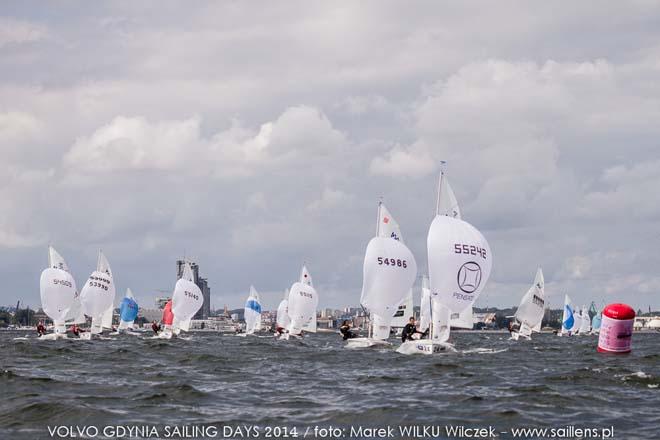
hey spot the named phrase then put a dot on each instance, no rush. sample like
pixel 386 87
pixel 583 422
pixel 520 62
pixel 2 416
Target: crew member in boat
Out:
pixel 345 330
pixel 41 328
pixel 279 331
pixel 409 330
pixel 509 327
pixel 76 330
pixel 155 327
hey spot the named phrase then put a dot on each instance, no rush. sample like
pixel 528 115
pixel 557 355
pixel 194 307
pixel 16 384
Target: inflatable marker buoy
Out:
pixel 616 329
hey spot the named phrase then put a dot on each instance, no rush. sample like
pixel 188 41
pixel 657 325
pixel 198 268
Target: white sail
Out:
pixel 403 312
pixel 585 324
pixel 532 306
pixel 283 320
pixel 305 276
pixel 387 227
pixel 187 298
pixel 447 204
pixel 568 317
pixel 459 262
pixel 462 319
pixel 106 320
pixel 57 290
pixel 302 304
pixel 389 272
pixel 252 312
pixel 425 306
pixel 98 294
pixel 577 316
pixel 440 326
pixel 380 326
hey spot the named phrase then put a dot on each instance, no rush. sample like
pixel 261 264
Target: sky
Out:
pixel 255 137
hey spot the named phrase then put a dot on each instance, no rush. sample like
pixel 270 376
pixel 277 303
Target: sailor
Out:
pixel 279 331
pixel 409 330
pixel 76 330
pixel 345 330
pixel 41 329
pixel 155 327
pixel 509 327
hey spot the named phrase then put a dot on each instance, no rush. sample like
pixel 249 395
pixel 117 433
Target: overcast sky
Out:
pixel 255 137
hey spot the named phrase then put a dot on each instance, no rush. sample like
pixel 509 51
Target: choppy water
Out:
pixel 226 380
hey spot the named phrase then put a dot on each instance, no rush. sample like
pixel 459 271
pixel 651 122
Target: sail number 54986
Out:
pixel 394 262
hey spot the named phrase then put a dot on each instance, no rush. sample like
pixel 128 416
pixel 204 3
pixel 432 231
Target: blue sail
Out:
pixel 128 310
pixel 570 321
pixel 253 305
pixel 595 322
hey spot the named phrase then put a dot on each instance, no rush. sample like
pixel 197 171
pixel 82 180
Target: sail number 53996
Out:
pixel 394 262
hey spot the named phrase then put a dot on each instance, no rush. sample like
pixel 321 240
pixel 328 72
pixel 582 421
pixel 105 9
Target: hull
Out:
pixel 53 336
pixel 424 346
pixel 366 343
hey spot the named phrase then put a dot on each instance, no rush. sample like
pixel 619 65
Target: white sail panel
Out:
pixel 283 320
pixel 389 272
pixel 187 299
pixel 585 323
pixel 460 262
pixel 302 304
pixel 462 319
pixel 305 276
pixel 55 260
pixel 403 312
pixel 440 326
pixel 532 306
pixel 106 320
pixel 380 326
pixel 58 293
pixel 447 204
pixel 425 306
pixel 387 225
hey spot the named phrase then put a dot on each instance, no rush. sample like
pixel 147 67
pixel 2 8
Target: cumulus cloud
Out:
pixel 14 31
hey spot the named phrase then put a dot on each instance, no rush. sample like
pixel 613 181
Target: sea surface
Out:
pixel 211 380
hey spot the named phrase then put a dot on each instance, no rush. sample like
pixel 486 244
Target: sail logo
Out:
pixel 469 277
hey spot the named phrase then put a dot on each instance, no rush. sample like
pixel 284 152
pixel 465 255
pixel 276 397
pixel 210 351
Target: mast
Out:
pixel 380 203
pixel 442 174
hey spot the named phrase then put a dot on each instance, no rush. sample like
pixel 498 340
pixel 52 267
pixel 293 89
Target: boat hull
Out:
pixel 424 346
pixel 366 343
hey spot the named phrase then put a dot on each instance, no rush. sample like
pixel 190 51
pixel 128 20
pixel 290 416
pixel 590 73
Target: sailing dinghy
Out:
pixel 568 318
pixel 252 312
pixel 301 306
pixel 460 262
pixel 186 301
pixel 282 320
pixel 58 293
pixel 98 296
pixel 585 322
pixel 531 309
pixel 389 272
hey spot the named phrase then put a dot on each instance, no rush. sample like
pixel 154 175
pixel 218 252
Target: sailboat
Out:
pixel 128 311
pixel 389 271
pixel 98 296
pixel 577 315
pixel 596 320
pixel 58 293
pixel 585 323
pixel 252 312
pixel 531 309
pixel 301 306
pixel 460 262
pixel 568 318
pixel 282 320
pixel 186 301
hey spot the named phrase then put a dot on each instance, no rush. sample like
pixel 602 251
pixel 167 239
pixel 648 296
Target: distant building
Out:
pixel 160 302
pixel 203 285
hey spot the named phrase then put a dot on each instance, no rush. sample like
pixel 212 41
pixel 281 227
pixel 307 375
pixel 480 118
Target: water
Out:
pixel 217 380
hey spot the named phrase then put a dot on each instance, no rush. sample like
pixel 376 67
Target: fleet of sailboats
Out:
pixel 459 265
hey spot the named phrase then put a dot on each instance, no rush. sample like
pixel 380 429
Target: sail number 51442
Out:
pixel 394 262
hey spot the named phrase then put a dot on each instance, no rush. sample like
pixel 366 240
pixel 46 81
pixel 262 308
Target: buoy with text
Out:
pixel 616 329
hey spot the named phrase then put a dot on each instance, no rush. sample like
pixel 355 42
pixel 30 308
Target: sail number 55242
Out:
pixel 469 249
pixel 394 262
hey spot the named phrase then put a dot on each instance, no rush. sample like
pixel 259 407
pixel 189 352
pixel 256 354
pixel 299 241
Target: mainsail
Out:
pixel 98 295
pixel 252 312
pixel 283 321
pixel 425 305
pixel 585 324
pixel 57 290
pixel 531 309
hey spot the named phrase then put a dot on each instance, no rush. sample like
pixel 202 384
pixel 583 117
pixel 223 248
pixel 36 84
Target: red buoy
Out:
pixel 616 329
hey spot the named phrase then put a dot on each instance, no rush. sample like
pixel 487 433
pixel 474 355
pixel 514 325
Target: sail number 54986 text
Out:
pixel 394 262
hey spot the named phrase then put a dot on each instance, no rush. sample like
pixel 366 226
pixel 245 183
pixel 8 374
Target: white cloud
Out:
pixel 14 31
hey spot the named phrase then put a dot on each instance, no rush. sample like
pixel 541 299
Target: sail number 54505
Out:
pixel 394 262
pixel 469 249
